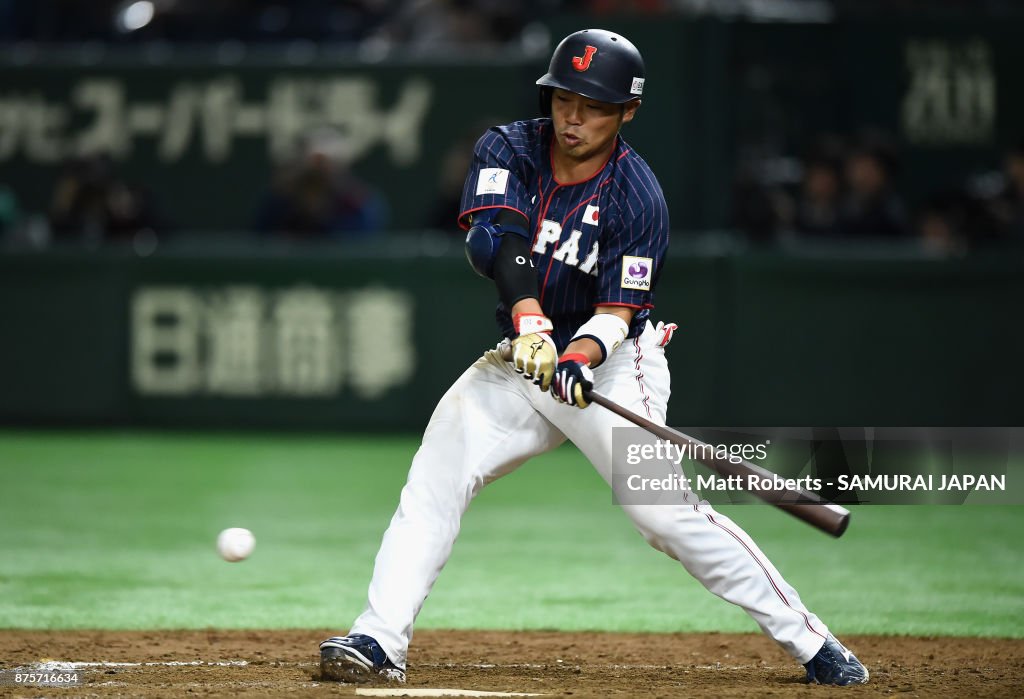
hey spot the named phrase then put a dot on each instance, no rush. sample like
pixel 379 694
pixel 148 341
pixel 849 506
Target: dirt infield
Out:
pixel 272 663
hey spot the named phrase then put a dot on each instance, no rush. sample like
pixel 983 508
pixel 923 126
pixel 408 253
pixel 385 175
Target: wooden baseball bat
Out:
pixel 802 504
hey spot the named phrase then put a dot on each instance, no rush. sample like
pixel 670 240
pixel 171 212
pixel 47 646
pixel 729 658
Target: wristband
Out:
pixel 606 329
pixel 527 323
pixel 575 357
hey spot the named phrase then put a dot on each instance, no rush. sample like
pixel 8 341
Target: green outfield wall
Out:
pixel 358 341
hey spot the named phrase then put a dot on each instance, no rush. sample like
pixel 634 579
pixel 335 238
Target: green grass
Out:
pixel 109 530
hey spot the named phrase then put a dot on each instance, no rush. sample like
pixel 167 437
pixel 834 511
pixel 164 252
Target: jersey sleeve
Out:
pixel 633 252
pixel 496 178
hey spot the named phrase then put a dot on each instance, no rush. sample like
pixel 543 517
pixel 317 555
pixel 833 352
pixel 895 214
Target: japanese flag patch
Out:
pixel 590 215
pixel 636 272
pixel 492 180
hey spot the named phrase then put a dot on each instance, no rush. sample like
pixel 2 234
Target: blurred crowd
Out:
pixel 316 195
pixel 849 190
pixel 837 192
pixel 410 23
pixel 311 196
pixel 840 189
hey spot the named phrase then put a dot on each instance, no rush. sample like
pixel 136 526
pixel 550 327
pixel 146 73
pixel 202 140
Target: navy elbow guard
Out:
pixel 484 237
pixel 482 242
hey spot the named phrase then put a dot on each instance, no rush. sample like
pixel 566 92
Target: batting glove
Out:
pixel 573 379
pixel 534 353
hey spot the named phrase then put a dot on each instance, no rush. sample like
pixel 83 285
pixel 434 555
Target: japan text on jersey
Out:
pixel 598 241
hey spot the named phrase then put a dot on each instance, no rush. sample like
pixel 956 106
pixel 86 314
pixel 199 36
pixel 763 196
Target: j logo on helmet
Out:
pixel 581 63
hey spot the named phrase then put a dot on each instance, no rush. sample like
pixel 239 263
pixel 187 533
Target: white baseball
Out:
pixel 235 544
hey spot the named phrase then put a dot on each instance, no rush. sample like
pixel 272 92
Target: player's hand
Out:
pixel 573 379
pixel 534 356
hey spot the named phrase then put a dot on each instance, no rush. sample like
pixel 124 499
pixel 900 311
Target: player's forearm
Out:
pixel 589 347
pixel 529 306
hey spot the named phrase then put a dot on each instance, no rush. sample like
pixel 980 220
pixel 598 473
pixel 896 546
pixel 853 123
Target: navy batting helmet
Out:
pixel 595 63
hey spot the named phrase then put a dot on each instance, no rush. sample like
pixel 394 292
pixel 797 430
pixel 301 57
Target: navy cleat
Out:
pixel 835 664
pixel 357 658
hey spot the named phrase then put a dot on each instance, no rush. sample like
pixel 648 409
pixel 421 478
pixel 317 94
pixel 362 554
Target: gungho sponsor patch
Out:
pixel 492 180
pixel 636 272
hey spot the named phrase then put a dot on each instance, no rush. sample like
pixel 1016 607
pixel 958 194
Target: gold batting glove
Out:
pixel 534 354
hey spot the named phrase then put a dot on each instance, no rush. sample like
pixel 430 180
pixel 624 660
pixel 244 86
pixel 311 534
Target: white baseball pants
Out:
pixel 491 421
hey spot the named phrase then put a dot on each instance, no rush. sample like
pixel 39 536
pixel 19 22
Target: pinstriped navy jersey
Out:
pixel 600 241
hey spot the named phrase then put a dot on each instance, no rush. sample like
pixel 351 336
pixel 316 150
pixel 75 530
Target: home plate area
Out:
pixel 495 664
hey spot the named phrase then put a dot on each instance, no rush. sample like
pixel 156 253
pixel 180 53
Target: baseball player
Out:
pixel 572 226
